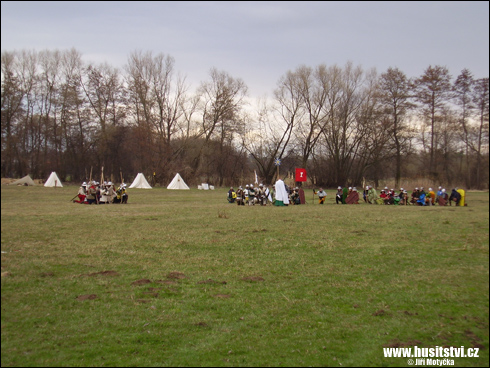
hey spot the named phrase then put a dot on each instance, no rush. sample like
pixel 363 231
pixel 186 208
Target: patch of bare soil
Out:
pixel 47 274
pixel 253 278
pixel 398 344
pixel 202 324
pixel 150 293
pixel 86 297
pixel 380 312
pixel 166 282
pixel 176 275
pixel 473 339
pixel 211 281
pixel 410 314
pixel 222 296
pixel 141 282
pixel 104 273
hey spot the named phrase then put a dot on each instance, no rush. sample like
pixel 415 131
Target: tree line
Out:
pixel 344 124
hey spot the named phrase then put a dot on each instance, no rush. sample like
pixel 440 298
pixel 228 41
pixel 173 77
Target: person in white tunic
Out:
pixel 282 197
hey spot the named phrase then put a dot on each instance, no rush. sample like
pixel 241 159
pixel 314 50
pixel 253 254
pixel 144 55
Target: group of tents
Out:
pixel 139 182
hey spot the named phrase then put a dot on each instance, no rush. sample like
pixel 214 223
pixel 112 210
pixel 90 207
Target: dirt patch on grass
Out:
pixel 407 313
pixel 47 274
pixel 253 279
pixel 380 312
pixel 176 275
pixel 151 293
pixel 104 273
pixel 141 282
pixel 222 296
pixel 86 297
pixel 211 281
pixel 166 282
pixel 474 339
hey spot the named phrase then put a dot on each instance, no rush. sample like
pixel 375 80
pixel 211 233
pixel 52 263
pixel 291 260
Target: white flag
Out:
pixel 256 180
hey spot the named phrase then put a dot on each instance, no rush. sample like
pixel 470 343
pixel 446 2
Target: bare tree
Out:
pixel 432 92
pixel 12 108
pixel 395 96
pixel 342 132
pixel 157 104
pixel 222 99
pixel 267 137
pixel 462 89
pixel 480 100
pixel 313 90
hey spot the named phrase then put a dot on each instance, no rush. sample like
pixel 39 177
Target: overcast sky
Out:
pixel 259 41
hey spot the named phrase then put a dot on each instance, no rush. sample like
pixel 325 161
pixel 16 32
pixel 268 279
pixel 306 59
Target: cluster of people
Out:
pixel 263 195
pixel 105 193
pixel 348 195
pixel 284 195
pixel 418 197
pixel 250 195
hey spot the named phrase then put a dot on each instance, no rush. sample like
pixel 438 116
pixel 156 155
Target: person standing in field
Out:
pixel 338 196
pixel 281 194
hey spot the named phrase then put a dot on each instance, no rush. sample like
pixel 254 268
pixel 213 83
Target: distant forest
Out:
pixel 343 124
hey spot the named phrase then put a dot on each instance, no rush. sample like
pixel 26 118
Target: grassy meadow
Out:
pixel 183 278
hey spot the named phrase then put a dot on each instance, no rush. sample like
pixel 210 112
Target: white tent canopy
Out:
pixel 25 180
pixel 140 182
pixel 53 181
pixel 177 183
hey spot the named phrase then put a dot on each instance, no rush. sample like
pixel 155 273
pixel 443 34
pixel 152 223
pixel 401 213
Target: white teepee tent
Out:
pixel 140 182
pixel 177 183
pixel 25 180
pixel 53 181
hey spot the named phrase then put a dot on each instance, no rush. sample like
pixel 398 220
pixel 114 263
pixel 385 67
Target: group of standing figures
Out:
pixel 105 193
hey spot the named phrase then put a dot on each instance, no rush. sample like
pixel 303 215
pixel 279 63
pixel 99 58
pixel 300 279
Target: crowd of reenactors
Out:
pixel 262 195
pixel 97 193
pixel 251 195
pixel 419 197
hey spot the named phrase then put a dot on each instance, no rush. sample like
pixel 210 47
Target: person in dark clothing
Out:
pixel 338 196
pixel 455 196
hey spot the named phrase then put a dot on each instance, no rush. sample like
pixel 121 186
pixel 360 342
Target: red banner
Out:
pixel 300 174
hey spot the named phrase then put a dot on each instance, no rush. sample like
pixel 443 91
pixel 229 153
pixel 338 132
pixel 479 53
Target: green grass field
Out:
pixel 182 278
